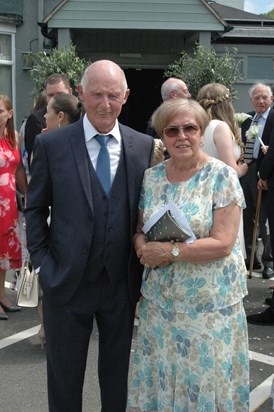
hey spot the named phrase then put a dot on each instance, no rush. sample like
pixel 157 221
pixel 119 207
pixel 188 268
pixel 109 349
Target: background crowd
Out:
pixel 90 184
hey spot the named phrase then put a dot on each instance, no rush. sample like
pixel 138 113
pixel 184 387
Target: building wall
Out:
pixel 256 60
pixel 142 15
pixel 28 39
pixel 157 49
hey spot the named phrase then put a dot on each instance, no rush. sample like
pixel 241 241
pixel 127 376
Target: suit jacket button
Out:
pixel 85 250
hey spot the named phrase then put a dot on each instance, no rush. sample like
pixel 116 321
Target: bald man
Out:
pixel 88 268
pixel 172 88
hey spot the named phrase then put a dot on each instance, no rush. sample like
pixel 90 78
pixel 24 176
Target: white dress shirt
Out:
pixel 93 147
pixel 261 124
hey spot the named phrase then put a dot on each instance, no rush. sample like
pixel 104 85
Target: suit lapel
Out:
pixel 80 153
pixel 268 127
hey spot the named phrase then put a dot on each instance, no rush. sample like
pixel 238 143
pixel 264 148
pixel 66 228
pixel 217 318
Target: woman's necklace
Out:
pixel 191 171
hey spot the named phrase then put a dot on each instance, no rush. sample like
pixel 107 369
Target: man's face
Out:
pixel 103 98
pixel 53 89
pixel 261 99
pixel 183 91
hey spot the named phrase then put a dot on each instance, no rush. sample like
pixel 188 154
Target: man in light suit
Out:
pixel 85 257
pixel 261 98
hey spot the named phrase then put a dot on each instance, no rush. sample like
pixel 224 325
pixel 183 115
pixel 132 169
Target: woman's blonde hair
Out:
pixel 172 108
pixel 10 131
pixel 215 98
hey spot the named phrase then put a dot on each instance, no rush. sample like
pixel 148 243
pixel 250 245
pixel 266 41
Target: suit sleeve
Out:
pixel 38 203
pixel 267 165
pixel 34 126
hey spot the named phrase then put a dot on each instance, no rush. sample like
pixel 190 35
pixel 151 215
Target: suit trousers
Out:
pixel 249 184
pixel 68 329
pixel 269 195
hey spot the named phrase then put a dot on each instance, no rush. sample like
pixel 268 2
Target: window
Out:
pixel 7 61
pixel 5 80
pixel 5 47
pixel 260 67
pixel 6 64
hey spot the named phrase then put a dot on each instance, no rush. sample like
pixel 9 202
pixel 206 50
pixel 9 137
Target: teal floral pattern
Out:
pixel 188 287
pixel 191 352
pixel 190 364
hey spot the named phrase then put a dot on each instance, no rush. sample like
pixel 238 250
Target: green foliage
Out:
pixel 63 60
pixel 204 66
pixel 269 14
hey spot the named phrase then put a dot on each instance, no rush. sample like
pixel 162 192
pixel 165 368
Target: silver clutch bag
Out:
pixel 167 229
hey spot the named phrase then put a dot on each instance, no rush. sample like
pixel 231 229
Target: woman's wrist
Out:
pixel 139 237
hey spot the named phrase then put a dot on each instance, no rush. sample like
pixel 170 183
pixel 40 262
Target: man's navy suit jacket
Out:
pixel 267 166
pixel 61 180
pixel 269 126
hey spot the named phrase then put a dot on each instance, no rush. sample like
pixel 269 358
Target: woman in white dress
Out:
pixel 222 138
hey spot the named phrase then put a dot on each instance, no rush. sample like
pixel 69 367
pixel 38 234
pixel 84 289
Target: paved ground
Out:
pixel 23 366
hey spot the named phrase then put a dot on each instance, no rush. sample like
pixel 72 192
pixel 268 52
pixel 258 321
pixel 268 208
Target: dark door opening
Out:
pixel 144 98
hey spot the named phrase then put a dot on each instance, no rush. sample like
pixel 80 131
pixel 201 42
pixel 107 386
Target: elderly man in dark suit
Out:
pixel 55 83
pixel 263 117
pixel 266 183
pixel 90 174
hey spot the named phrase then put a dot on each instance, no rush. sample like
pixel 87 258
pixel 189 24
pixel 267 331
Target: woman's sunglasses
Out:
pixel 188 130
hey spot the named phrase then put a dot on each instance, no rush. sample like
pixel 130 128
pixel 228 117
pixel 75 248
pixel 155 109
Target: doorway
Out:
pixel 144 98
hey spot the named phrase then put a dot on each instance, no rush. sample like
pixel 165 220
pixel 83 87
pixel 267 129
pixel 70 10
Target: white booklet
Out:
pixel 176 214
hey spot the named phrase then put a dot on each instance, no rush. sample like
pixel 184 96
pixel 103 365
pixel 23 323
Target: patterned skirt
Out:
pixel 194 362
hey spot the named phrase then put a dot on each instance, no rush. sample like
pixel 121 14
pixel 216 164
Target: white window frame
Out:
pixel 10 30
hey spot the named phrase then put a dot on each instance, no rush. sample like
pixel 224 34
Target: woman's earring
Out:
pixel 59 125
pixel 202 143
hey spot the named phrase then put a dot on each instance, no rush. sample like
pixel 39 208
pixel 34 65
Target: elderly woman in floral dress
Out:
pixel 191 352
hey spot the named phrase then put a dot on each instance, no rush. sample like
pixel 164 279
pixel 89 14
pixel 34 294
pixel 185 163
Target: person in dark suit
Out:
pixel 261 99
pixel 86 261
pixel 266 183
pixel 55 83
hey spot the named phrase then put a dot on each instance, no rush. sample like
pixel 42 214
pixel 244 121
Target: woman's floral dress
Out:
pixel 191 352
pixel 10 248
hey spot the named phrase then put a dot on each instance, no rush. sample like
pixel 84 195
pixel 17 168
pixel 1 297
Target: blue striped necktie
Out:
pixel 249 145
pixel 103 162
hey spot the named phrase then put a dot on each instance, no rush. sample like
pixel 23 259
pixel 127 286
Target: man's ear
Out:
pixel 80 93
pixel 173 94
pixel 127 93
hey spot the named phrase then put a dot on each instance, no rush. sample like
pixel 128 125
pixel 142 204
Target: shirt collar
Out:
pixel 264 115
pixel 90 131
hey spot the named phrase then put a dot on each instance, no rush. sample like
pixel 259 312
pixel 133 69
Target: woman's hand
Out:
pixel 154 254
pixel 139 241
pixel 243 168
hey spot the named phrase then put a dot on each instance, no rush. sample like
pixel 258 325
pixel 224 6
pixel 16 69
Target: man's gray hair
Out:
pixel 252 88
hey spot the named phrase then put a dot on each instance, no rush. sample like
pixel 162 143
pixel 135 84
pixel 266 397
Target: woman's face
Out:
pixel 5 115
pixel 182 137
pixel 52 119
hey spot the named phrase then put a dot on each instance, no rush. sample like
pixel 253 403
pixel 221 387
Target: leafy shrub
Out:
pixel 204 66
pixel 63 60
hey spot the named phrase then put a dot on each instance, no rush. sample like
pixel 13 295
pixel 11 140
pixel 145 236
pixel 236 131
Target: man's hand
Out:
pixel 262 184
